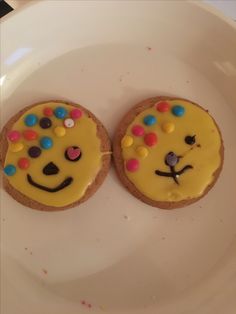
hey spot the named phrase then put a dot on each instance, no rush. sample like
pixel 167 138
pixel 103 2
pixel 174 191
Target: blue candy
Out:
pixel 178 111
pixel 46 142
pixel 149 120
pixel 31 120
pixel 10 170
pixel 60 112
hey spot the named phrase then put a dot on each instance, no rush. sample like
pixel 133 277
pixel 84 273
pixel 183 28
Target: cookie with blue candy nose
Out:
pixel 168 152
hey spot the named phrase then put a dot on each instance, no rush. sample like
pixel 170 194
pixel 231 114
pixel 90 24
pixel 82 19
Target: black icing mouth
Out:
pixel 173 174
pixel 59 187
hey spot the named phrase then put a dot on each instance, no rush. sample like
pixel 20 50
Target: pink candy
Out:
pixel 132 165
pixel 138 130
pixel 75 113
pixel 14 136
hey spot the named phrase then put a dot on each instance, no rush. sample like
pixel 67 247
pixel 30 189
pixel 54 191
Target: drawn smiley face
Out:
pixel 171 150
pixel 54 153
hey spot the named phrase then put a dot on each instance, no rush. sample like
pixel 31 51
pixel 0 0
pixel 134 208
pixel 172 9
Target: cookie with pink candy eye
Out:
pixel 54 155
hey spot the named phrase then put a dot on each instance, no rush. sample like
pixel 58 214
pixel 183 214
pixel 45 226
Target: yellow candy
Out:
pixel 60 131
pixel 142 151
pixel 168 127
pixel 17 147
pixel 127 141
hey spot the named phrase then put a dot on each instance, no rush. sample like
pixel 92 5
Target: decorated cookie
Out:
pixel 168 152
pixel 54 155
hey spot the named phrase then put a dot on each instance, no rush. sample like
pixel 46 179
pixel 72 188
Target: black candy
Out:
pixel 34 151
pixel 45 123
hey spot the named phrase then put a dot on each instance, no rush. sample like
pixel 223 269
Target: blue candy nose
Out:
pixel 171 159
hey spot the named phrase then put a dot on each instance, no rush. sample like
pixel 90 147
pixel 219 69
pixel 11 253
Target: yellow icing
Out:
pixel 205 159
pixel 84 171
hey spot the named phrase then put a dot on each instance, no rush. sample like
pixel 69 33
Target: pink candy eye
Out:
pixel 73 153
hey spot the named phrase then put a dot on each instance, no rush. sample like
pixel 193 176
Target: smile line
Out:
pixel 61 186
pixel 173 174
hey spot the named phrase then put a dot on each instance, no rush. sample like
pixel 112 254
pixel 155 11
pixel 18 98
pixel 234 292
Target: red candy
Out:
pixel 30 135
pixel 75 113
pixel 150 139
pixel 23 163
pixel 132 165
pixel 13 136
pixel 48 112
pixel 138 130
pixel 163 106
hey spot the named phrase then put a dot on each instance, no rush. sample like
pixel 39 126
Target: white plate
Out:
pixel 114 252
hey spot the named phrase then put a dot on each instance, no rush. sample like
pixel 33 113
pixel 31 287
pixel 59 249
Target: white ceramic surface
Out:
pixel 115 252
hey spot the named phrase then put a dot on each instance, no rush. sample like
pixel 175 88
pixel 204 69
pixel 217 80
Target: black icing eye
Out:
pixel 190 140
pixel 73 153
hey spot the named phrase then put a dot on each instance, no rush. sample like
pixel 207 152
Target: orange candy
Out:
pixel 30 135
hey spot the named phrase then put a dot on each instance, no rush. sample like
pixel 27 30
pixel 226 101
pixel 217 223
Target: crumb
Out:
pixel 83 302
pixel 163 238
pixel 31 253
pixel 207 110
pixel 126 217
pixel 199 145
pixel 200 206
pixel 26 248
pixel 221 220
pixel 120 79
pixel 149 48
pixel 187 81
pixel 45 271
